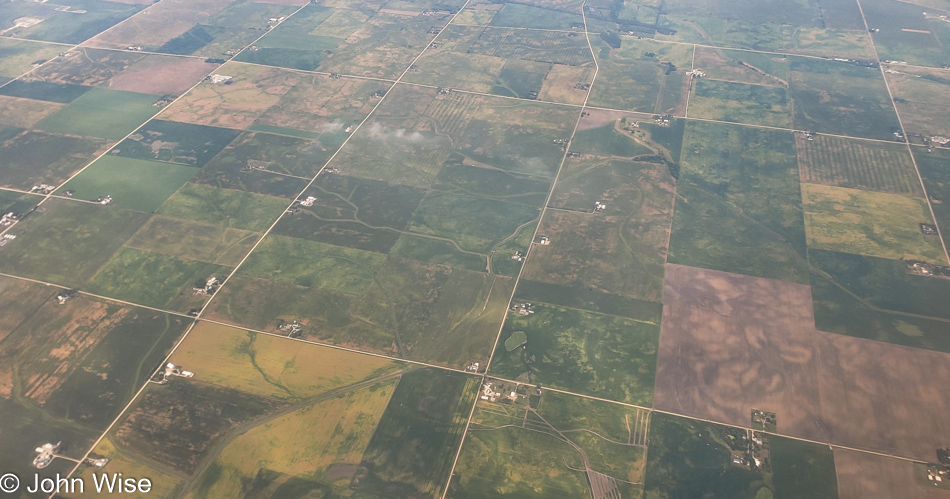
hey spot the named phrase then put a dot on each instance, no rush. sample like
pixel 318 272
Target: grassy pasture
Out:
pixel 919 95
pixel 162 23
pixel 102 113
pixel 66 27
pixel 18 56
pixel 857 164
pixel 151 279
pixel 324 106
pixel 905 34
pixel 840 98
pixel 740 103
pixel 226 207
pixel 582 297
pixel 516 15
pixel 66 242
pixel 437 251
pixel 633 80
pixel 738 206
pixel 63 93
pixel 24 113
pixel 88 67
pixel 476 224
pixel 606 140
pixel 312 264
pixel 492 184
pixel 134 184
pixel 935 170
pixel 33 158
pixel 163 485
pixel 273 367
pixel 742 66
pixel 192 240
pixel 520 79
pixel 410 454
pixel 583 352
pixel 868 223
pixel 182 143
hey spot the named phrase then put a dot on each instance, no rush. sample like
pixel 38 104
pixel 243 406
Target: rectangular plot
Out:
pixel 33 158
pixel 642 76
pixel 935 171
pixel 857 164
pixel 920 96
pixel 153 279
pixel 24 113
pixel 226 207
pixel 740 103
pixel 181 143
pixel 66 242
pixel 132 184
pixel 518 15
pixel 326 106
pixel 869 223
pixel 754 68
pixel 904 32
pixel 193 240
pixel 73 23
pixel 63 93
pixel 107 114
pixel 159 24
pixel 18 56
pixel 264 163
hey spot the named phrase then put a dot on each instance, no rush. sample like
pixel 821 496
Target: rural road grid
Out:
pixel 398 81
pixel 887 85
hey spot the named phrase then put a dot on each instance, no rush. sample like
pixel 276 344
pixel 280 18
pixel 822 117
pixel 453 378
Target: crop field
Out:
pixel 841 98
pixel 475 224
pixel 856 164
pixel 918 94
pixel 514 450
pixel 181 143
pixel 620 250
pixel 24 113
pixel 350 211
pixel 742 66
pixel 312 264
pixel 225 207
pixel 867 475
pixel 152 279
pixel 868 223
pixel 643 76
pixel 906 34
pixel 412 310
pixel 738 206
pixel 106 114
pixel 19 299
pixel 936 174
pixel 252 90
pixel 230 28
pixel 64 25
pixel 689 458
pixel 32 158
pixel 41 90
pixel 264 163
pixel 518 15
pixel 163 23
pixel 163 485
pixel 273 367
pixel 134 184
pixel 65 242
pixel 192 240
pixel 740 103
pixel 18 56
pixel 599 355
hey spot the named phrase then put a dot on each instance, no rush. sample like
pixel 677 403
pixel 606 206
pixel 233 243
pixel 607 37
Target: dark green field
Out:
pixel 740 103
pixel 738 206
pixel 66 242
pixel 40 90
pixel 32 158
pixel 410 454
pixel 585 298
pixel 106 114
pixel 476 224
pixel 181 143
pixel 599 355
pixel 935 170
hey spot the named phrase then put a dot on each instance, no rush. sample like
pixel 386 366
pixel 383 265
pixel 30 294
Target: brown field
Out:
pixel 727 347
pixel 318 103
pixel 560 84
pixel 24 113
pixel 158 23
pixel 160 75
pixel 858 164
pixel 869 476
pixel 21 299
pixel 253 91
pixel 86 66
pixel 599 117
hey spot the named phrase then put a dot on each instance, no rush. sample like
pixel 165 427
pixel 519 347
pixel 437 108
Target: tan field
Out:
pixel 732 343
pixel 159 75
pixel 868 476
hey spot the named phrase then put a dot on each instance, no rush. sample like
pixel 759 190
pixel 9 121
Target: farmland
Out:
pixel 415 249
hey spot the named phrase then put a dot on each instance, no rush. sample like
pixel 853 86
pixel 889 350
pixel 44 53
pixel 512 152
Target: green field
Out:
pixel 858 164
pixel 32 158
pixel 410 454
pixel 738 206
pixel 106 114
pixel 528 16
pixel 740 103
pixel 594 354
pixel 192 240
pixel 312 264
pixel 905 34
pixel 63 93
pixel 689 458
pixel 631 79
pixel 226 207
pixel 515 450
pixel 935 170
pixel 17 56
pixel 606 140
pixel 490 183
pixel 152 279
pixel 426 249
pixel 840 98
pixel 70 28
pixel 476 224
pixel 134 184
pixel 181 143
pixel 869 223
pixel 66 242
pixel 919 94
